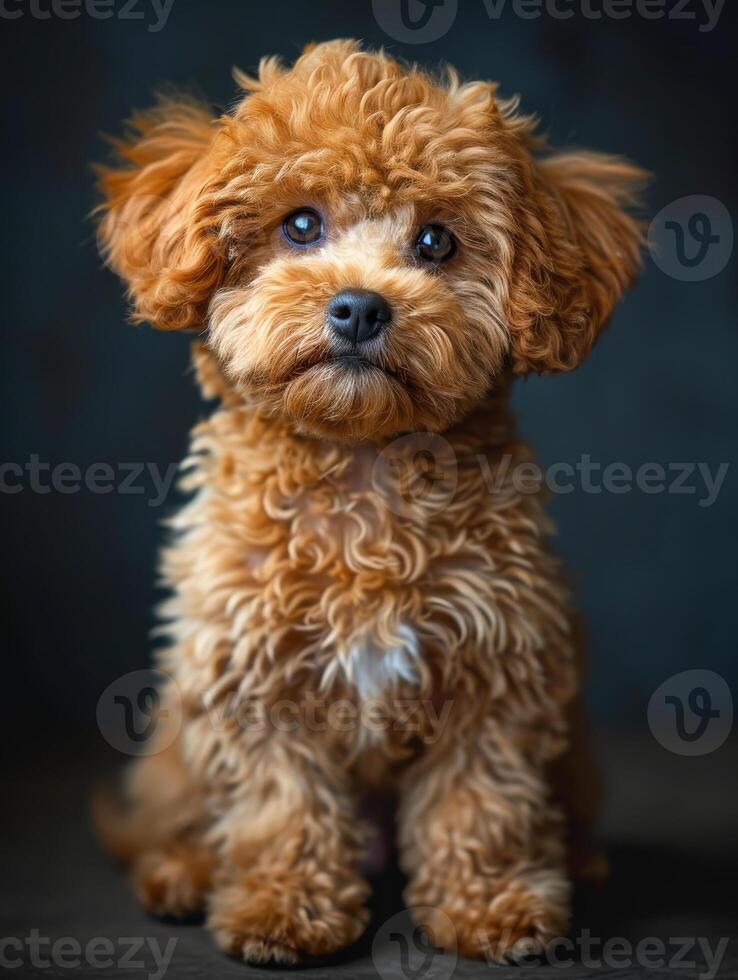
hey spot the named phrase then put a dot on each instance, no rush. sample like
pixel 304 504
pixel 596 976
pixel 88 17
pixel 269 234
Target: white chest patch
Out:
pixel 373 669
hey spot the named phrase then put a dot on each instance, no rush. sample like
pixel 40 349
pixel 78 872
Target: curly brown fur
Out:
pixel 301 573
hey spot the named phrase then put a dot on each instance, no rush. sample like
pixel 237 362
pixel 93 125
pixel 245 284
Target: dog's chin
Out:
pixel 348 398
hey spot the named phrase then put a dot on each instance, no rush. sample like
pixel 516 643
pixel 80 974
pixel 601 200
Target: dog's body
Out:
pixel 359 608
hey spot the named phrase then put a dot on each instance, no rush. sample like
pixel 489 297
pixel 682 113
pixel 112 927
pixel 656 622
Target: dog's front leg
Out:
pixel 483 846
pixel 287 885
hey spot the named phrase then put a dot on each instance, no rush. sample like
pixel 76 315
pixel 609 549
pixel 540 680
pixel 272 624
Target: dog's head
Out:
pixel 369 250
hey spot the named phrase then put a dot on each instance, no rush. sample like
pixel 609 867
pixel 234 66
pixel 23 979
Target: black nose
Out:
pixel 358 314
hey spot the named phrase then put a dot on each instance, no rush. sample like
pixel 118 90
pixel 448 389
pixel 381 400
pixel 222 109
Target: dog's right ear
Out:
pixel 157 220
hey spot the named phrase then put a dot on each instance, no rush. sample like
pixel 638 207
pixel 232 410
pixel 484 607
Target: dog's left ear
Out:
pixel 577 250
pixel 156 225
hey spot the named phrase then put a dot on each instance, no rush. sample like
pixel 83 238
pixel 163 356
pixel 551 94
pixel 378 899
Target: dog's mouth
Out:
pixel 371 364
pixel 347 395
pixel 348 366
pixel 358 363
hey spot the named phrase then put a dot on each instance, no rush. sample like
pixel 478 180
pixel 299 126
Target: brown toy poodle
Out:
pixel 372 255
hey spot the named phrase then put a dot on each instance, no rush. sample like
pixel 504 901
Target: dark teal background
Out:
pixel 656 575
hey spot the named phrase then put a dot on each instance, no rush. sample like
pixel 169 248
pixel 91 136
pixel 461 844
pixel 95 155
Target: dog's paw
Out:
pixel 172 885
pixel 522 919
pixel 285 922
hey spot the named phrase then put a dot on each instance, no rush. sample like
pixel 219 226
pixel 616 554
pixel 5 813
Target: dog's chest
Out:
pixel 314 574
pixel 373 668
pixel 355 560
pixel 385 580
pixel 332 577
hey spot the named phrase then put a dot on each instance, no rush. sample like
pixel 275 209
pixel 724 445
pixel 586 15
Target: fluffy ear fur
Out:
pixel 157 226
pixel 577 251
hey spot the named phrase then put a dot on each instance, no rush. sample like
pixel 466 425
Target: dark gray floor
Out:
pixel 671 826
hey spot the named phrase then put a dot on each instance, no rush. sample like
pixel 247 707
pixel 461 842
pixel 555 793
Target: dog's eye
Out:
pixel 435 244
pixel 303 227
